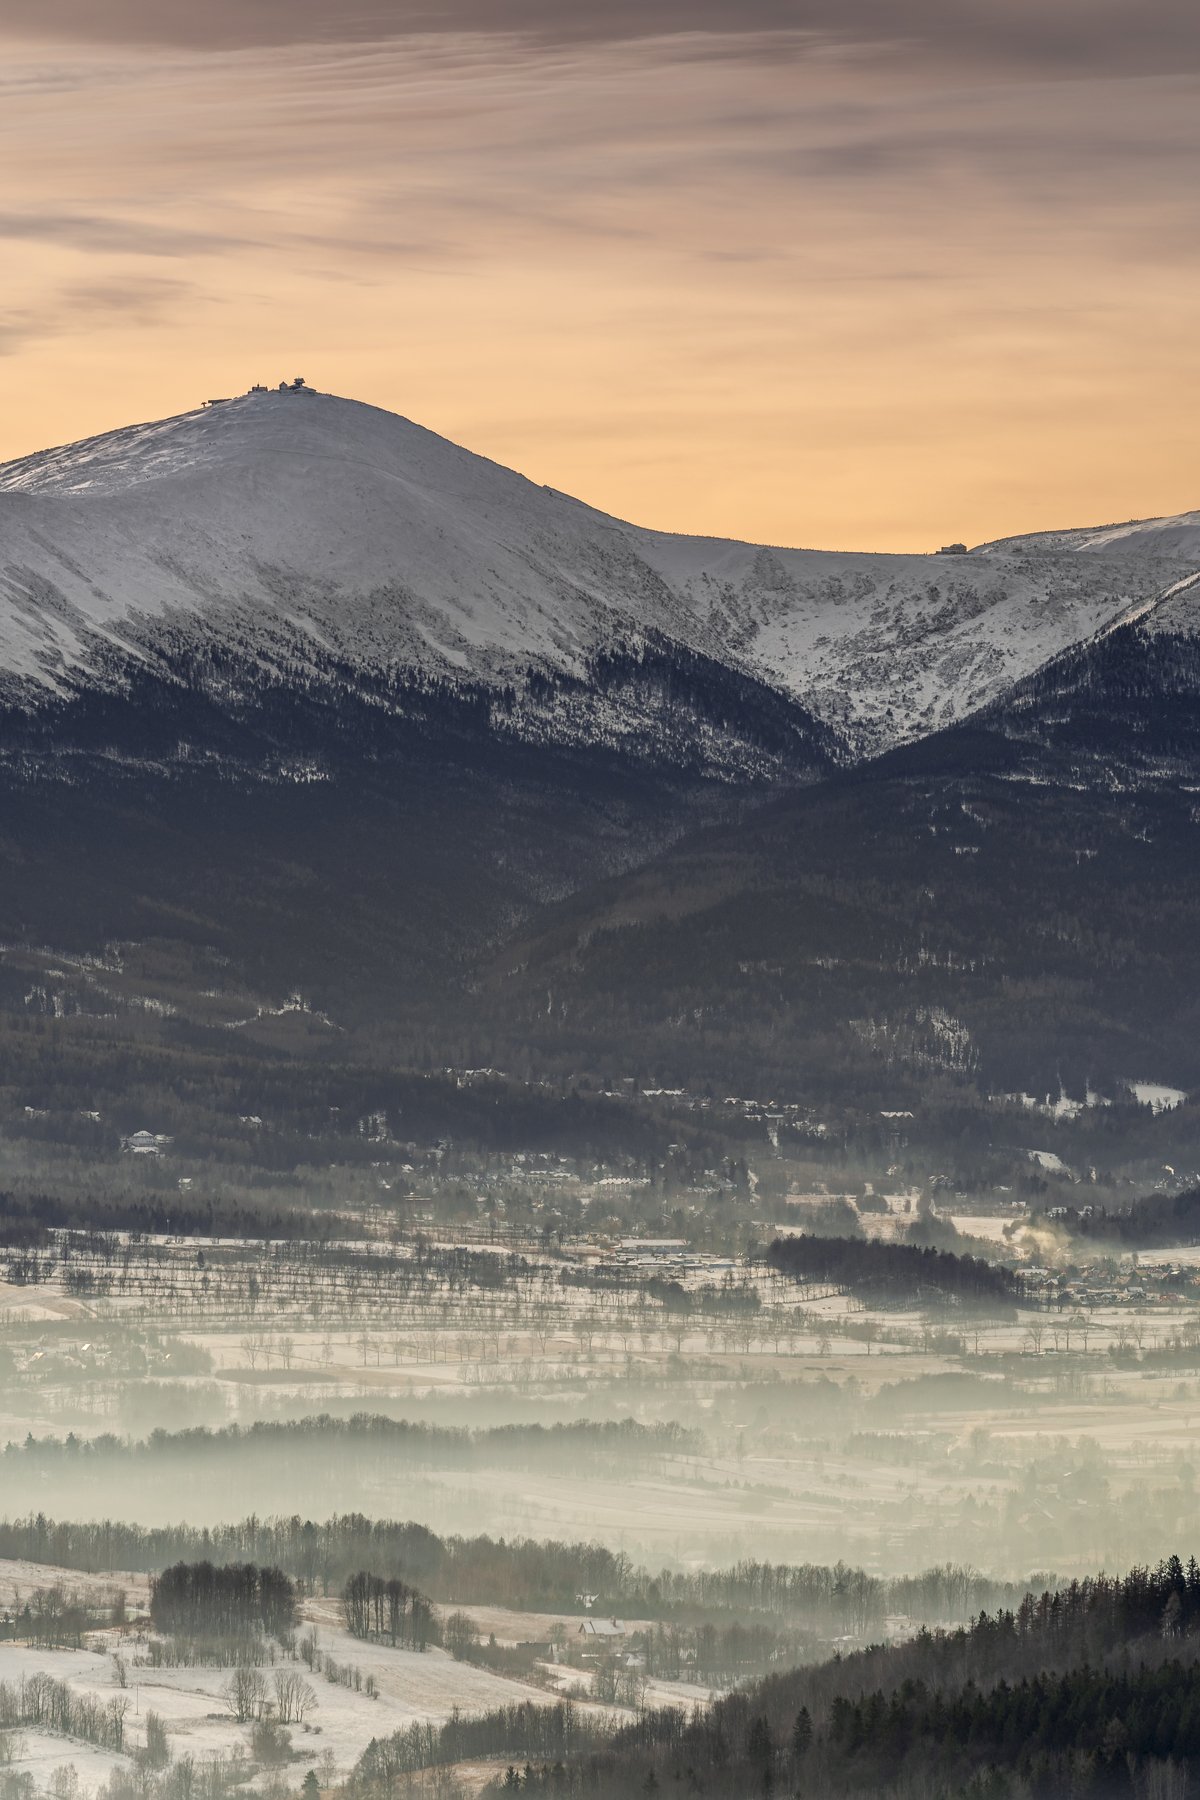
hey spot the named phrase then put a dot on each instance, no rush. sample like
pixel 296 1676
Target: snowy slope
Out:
pixel 360 530
pixel 1177 535
pixel 280 520
pixel 890 648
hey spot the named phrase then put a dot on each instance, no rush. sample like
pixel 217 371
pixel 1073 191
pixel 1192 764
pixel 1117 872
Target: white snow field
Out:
pixel 280 519
pixel 425 1687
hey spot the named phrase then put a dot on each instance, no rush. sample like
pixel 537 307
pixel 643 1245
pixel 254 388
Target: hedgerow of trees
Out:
pixel 202 1600
pixel 387 1609
pixel 904 1271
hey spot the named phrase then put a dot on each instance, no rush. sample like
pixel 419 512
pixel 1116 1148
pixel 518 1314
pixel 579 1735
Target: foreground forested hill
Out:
pixel 1093 1690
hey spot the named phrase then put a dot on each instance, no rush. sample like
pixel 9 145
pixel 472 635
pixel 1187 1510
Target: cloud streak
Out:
pixel 131 237
pixel 774 271
pixel 1054 36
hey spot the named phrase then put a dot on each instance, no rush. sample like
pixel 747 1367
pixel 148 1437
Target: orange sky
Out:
pixel 833 285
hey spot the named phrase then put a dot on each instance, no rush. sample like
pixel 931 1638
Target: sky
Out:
pixel 852 273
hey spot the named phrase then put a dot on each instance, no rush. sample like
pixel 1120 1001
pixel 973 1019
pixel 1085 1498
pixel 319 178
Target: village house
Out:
pixel 143 1143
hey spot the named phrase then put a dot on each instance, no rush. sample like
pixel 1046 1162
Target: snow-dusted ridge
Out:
pixel 302 517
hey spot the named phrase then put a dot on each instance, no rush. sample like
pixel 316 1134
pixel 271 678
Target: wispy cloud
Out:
pixel 137 301
pixel 798 255
pixel 1056 35
pixel 96 232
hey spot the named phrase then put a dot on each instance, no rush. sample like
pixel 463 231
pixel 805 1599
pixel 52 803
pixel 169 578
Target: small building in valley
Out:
pixel 143 1143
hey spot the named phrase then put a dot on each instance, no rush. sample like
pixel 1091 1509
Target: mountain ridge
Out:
pixel 299 524
pixel 328 702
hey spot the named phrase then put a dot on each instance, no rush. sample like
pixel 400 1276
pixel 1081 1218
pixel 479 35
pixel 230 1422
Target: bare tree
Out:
pixel 116 1712
pixel 459 1634
pixel 294 1698
pixel 245 1693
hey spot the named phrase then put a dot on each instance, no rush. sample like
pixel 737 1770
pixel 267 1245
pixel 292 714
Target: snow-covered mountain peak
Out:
pixel 306 515
pixel 324 436
pixel 294 525
pixel 115 461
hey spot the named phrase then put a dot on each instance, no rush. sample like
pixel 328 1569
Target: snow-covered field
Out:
pixel 1157 1096
pixel 412 1686
pixel 18 1579
pixel 42 1753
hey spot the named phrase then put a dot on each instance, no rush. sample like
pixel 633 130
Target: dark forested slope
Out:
pixel 1012 901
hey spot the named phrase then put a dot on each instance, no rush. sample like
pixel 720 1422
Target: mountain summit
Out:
pixel 320 702
pixel 295 528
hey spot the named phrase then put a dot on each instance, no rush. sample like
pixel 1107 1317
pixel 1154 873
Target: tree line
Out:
pixel 52 1619
pixel 202 1600
pixel 366 1440
pixel 1098 1678
pixel 902 1271
pixel 387 1609
pixel 27 1220
pixel 1088 1733
pixel 525 1730
pixel 1156 1220
pixel 45 1704
pixel 523 1573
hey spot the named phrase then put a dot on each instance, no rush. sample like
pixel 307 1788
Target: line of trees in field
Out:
pixel 533 1574
pixel 28 1220
pixel 387 1609
pixel 40 1701
pixel 902 1271
pixel 306 1265
pixel 289 1698
pixel 53 1619
pixel 202 1600
pixel 366 1439
pixel 526 1730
